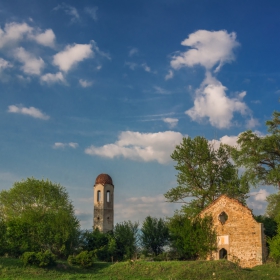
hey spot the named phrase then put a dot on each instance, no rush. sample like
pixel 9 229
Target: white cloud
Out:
pixel 46 38
pixel 85 83
pixel 172 122
pixel 212 102
pixel 251 123
pixel 72 55
pixel 31 111
pixel 133 51
pixel 208 48
pixel 169 75
pixel 13 32
pixel 260 195
pixel 69 10
pixel 92 11
pixel 50 78
pixel 59 145
pixel 161 90
pixel 4 64
pixel 31 64
pixel 140 146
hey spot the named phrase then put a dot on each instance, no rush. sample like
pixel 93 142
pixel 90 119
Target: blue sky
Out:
pixel 90 87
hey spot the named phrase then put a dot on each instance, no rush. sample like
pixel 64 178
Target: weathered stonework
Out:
pixel 240 237
pixel 103 217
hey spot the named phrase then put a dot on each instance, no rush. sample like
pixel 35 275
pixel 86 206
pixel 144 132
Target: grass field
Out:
pixel 224 270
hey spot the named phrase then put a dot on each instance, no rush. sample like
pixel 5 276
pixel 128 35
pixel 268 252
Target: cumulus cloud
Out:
pixel 146 67
pixel 31 64
pixel 50 78
pixel 212 102
pixel 46 38
pixel 31 111
pixel 172 122
pixel 260 195
pixel 252 123
pixel 85 83
pixel 15 32
pixel 72 55
pixel 59 145
pixel 140 146
pixel 169 75
pixel 92 11
pixel 208 48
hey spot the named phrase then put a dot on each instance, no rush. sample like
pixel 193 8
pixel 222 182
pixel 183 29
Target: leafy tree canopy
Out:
pixel 260 155
pixel 154 235
pixel 192 238
pixel 204 173
pixel 38 216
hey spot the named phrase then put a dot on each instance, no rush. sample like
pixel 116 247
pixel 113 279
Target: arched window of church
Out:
pixel 108 196
pixel 223 217
pixel 98 196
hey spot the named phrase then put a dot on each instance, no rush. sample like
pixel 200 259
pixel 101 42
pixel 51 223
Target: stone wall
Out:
pixel 240 237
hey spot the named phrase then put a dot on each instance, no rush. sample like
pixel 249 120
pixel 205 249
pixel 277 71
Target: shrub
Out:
pixel 84 259
pixel 40 259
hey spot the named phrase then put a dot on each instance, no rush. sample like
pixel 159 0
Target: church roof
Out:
pixel 103 179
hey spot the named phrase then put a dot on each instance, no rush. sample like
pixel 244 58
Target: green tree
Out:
pixel 192 238
pixel 273 206
pixel 39 216
pixel 270 225
pixel 204 173
pixel 154 235
pixel 126 240
pixel 260 155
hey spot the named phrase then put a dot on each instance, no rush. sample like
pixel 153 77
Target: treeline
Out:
pixel 37 221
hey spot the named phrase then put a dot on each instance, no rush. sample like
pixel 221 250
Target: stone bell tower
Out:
pixel 103 199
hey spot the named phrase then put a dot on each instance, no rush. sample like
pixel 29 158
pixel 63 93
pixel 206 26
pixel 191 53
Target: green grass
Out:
pixel 223 270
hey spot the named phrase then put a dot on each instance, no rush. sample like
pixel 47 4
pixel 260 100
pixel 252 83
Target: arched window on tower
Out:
pixel 108 196
pixel 98 196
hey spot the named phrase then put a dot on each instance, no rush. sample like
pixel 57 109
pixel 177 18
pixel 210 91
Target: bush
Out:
pixel 40 259
pixel 84 259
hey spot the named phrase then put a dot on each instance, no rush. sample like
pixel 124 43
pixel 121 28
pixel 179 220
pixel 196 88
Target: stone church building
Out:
pixel 240 237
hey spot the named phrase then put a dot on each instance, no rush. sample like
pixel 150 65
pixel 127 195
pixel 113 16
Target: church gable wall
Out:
pixel 240 235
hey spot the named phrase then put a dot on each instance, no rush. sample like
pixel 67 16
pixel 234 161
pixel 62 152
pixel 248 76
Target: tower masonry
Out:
pixel 103 200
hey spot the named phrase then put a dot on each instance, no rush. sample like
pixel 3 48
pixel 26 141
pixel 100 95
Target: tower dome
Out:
pixel 103 179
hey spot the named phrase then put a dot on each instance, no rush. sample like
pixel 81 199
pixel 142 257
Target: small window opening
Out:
pixel 108 196
pixel 223 217
pixel 223 254
pixel 108 220
pixel 98 196
pixel 98 218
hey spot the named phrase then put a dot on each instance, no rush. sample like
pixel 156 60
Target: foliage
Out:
pixel 270 225
pixel 126 240
pixel 204 173
pixel 38 216
pixel 39 259
pixel 154 235
pixel 273 206
pixel 192 238
pixel 84 259
pixel 91 240
pixel 260 155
